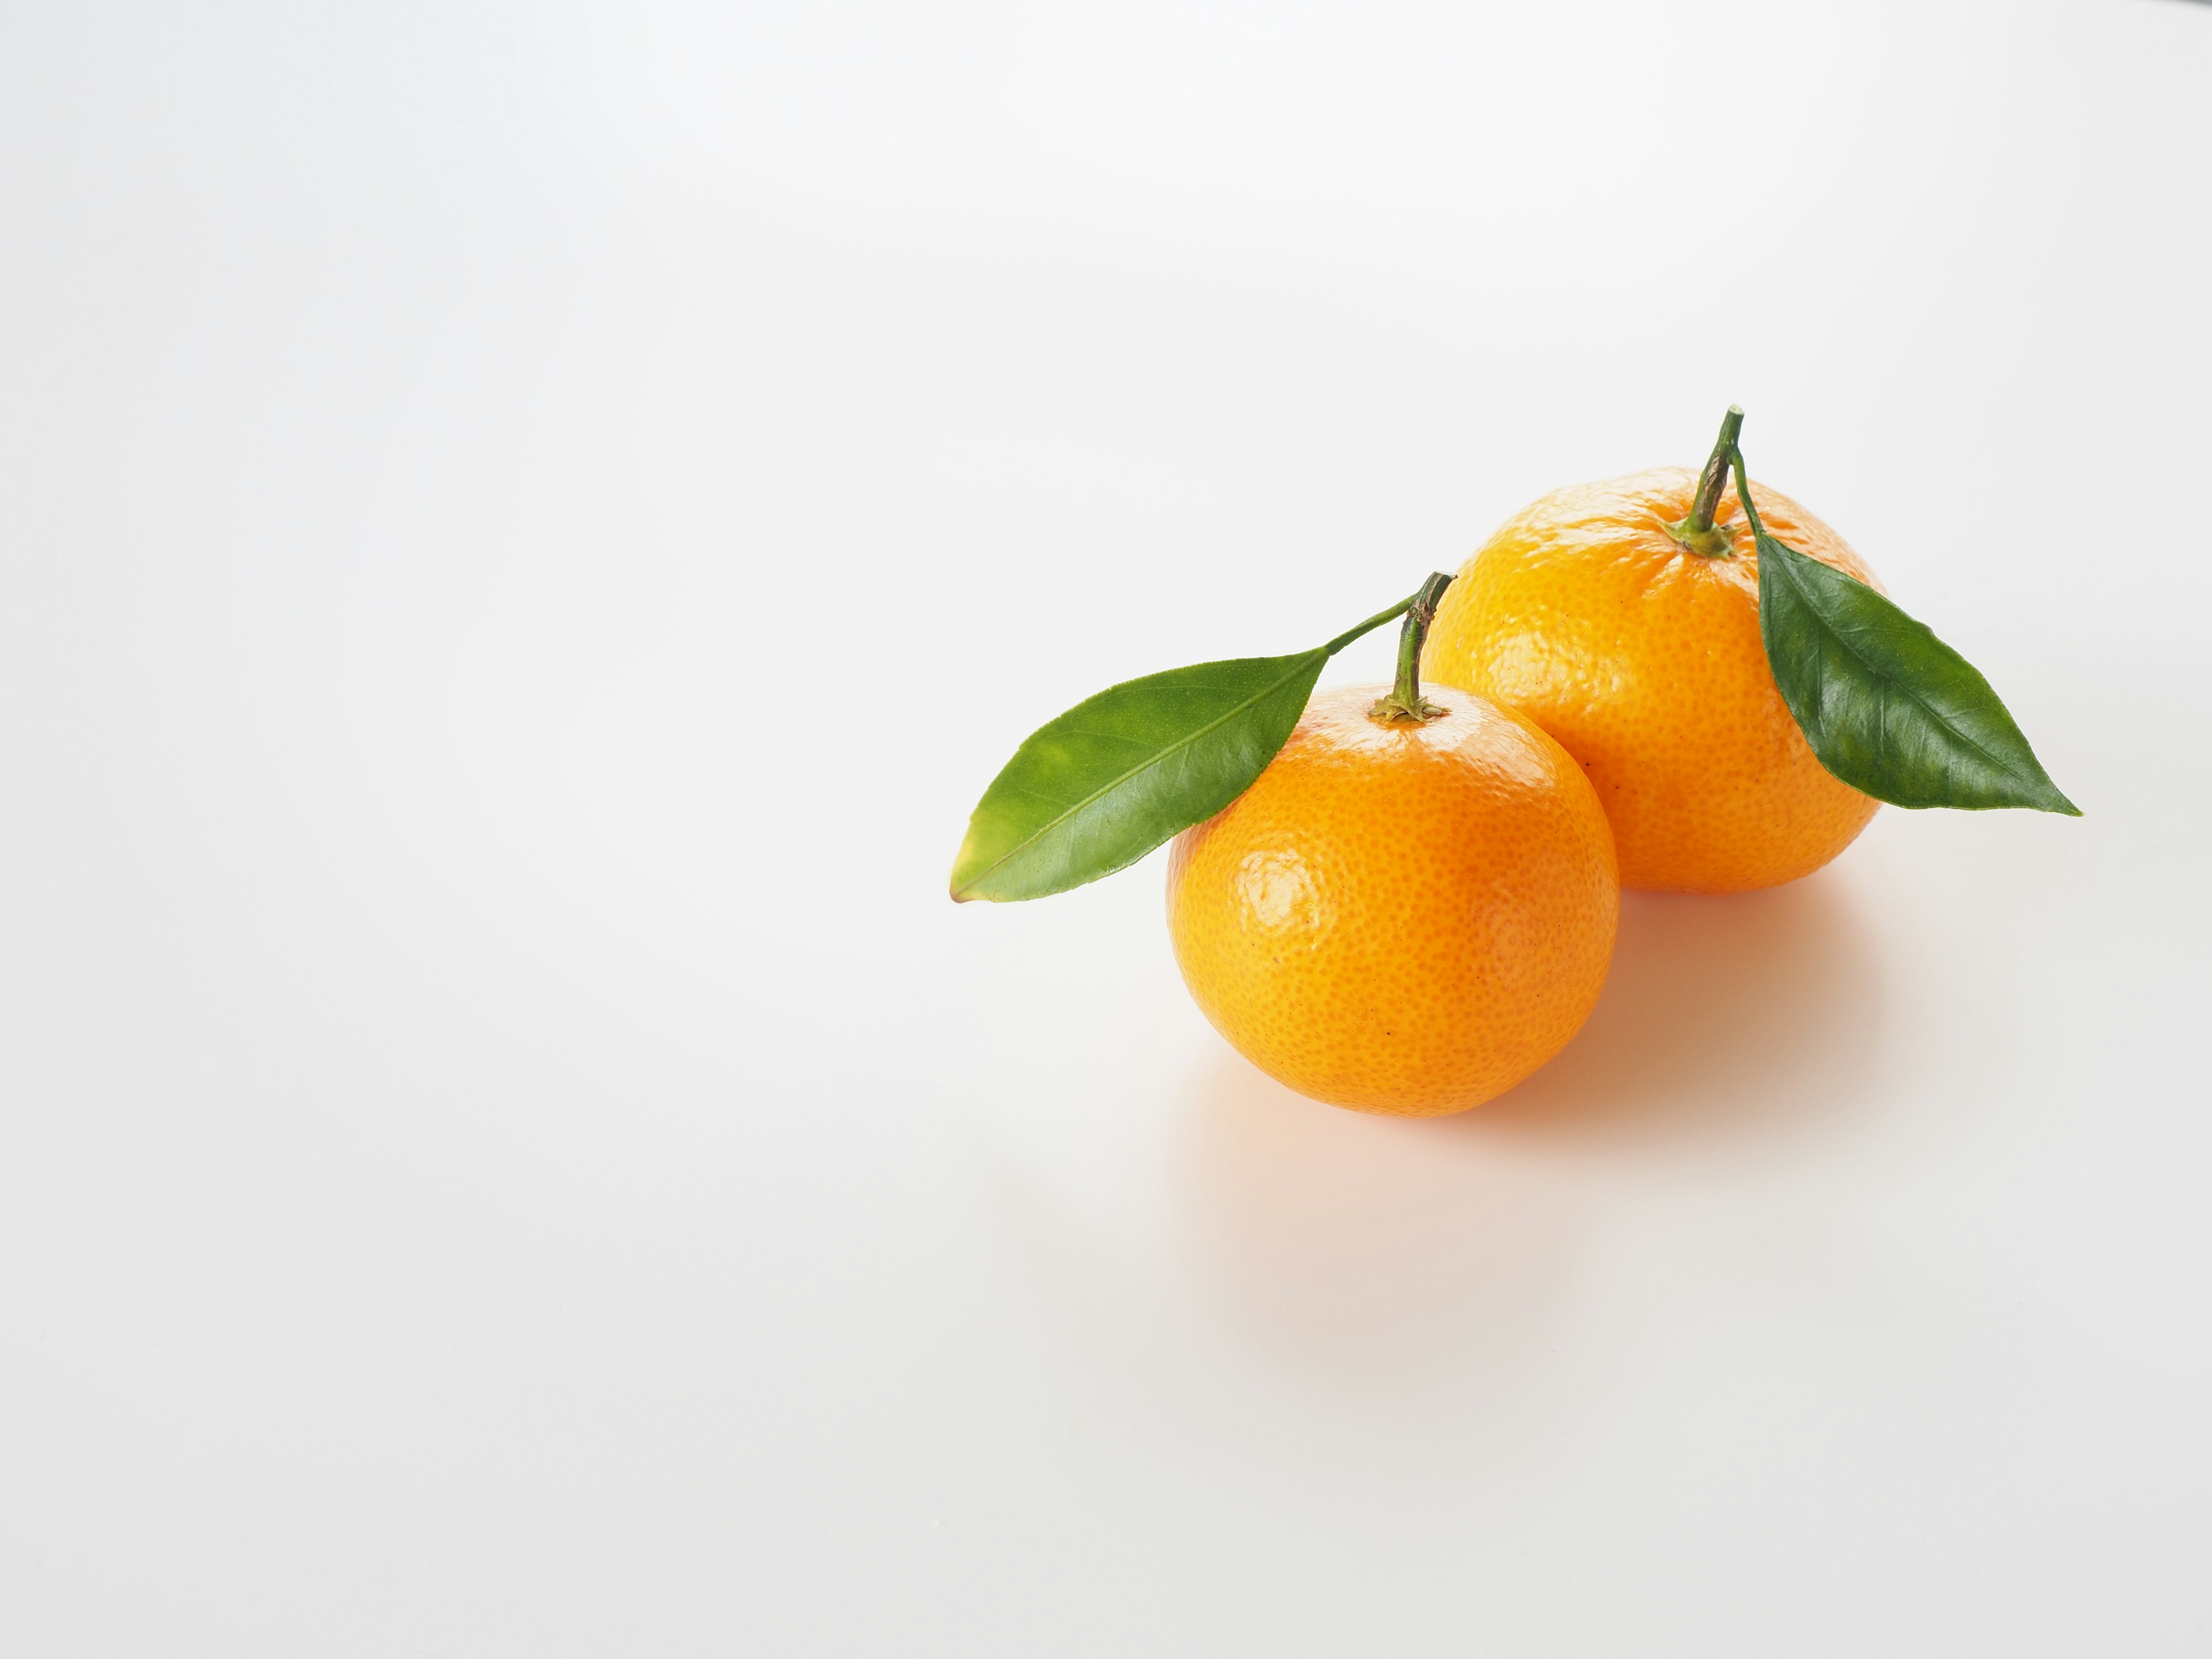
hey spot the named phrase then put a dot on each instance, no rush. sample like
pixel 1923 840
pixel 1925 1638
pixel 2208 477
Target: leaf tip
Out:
pixel 962 886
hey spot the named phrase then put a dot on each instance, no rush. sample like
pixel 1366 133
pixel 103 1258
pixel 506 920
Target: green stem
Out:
pixel 1405 704
pixel 1696 532
pixel 1370 624
pixel 1418 616
pixel 1743 494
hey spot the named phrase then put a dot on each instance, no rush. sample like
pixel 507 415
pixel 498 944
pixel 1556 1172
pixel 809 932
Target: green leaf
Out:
pixel 1887 706
pixel 1094 790
pixel 1120 773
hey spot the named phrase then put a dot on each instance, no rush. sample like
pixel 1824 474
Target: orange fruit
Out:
pixel 1644 660
pixel 1400 917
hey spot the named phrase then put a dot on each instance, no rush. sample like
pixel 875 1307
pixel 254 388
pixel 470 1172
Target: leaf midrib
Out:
pixel 1045 828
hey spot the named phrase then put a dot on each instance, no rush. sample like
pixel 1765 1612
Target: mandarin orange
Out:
pixel 1644 659
pixel 1400 916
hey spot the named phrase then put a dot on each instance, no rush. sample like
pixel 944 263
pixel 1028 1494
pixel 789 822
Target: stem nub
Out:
pixel 1696 532
pixel 1404 705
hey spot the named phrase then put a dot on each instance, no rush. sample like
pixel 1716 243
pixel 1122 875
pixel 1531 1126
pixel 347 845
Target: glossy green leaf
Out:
pixel 1122 771
pixel 1887 706
pixel 1096 789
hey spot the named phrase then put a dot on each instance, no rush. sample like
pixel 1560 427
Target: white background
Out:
pixel 526 529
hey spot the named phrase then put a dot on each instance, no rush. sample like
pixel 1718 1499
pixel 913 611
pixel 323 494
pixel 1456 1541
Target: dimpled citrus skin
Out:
pixel 1400 918
pixel 1644 660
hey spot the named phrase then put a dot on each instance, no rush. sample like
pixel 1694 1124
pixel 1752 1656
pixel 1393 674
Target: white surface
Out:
pixel 526 530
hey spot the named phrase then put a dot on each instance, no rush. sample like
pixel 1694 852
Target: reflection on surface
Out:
pixel 1379 1246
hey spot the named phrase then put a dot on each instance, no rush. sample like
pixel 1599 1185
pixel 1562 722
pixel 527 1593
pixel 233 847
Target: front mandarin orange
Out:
pixel 1399 916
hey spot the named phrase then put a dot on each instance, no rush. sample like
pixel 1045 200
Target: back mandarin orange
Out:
pixel 1642 657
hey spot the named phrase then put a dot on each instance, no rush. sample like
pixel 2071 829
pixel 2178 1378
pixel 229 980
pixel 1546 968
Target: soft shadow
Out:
pixel 1755 1014
pixel 1430 1255
pixel 1371 1249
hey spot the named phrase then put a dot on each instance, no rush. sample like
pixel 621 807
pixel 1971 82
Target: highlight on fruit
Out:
pixel 1727 708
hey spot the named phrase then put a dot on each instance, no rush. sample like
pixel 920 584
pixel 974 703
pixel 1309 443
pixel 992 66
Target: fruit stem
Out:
pixel 1404 705
pixel 1696 532
pixel 1743 494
